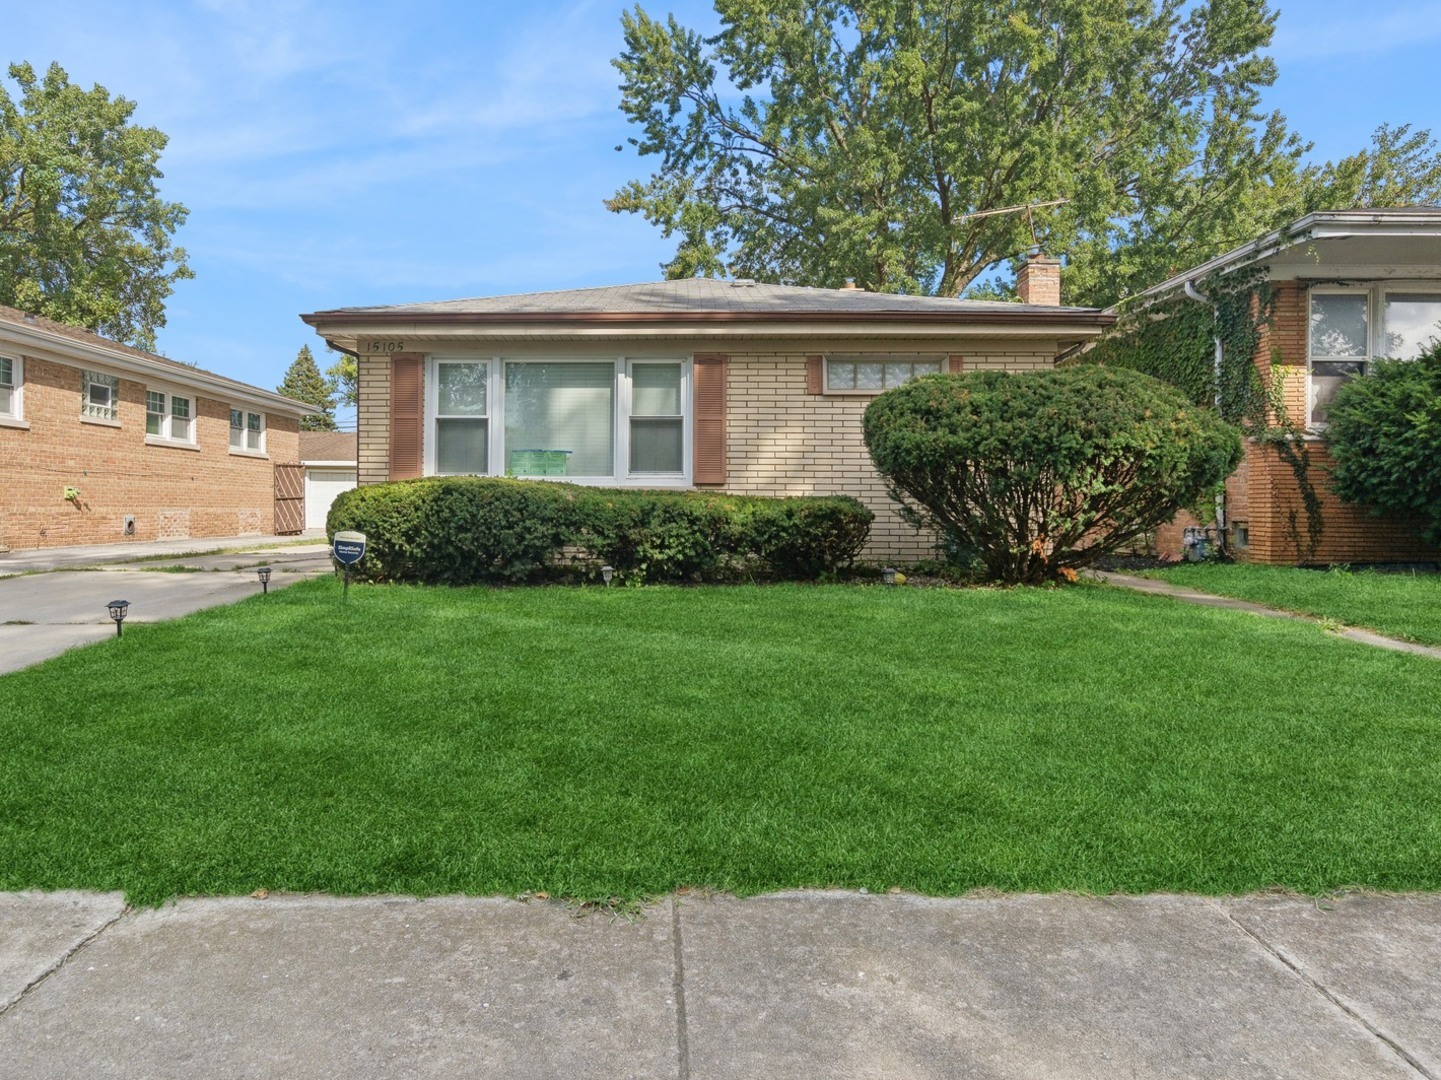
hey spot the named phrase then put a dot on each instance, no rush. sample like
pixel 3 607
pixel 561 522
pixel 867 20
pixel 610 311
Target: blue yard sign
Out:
pixel 349 548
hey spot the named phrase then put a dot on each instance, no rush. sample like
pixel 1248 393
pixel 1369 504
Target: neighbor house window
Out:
pixel 613 421
pixel 1349 326
pixel 167 416
pixel 247 431
pixel 462 419
pixel 872 374
pixel 1411 324
pixel 100 396
pixel 10 379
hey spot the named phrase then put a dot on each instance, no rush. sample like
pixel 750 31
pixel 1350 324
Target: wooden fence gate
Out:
pixel 289 499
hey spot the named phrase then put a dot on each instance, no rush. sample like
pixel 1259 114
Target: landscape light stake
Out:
pixel 606 573
pixel 263 573
pixel 118 610
pixel 888 575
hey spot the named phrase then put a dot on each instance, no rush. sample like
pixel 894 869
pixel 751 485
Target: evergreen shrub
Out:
pixel 463 530
pixel 1384 434
pixel 1038 474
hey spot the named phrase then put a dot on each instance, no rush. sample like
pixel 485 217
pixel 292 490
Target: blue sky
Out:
pixel 343 153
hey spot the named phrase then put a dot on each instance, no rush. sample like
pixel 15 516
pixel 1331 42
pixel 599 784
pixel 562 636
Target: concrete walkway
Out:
pixel 1230 603
pixel 805 985
pixel 50 609
pixel 64 558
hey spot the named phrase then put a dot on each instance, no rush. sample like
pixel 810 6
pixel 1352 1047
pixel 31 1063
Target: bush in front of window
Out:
pixel 455 530
pixel 684 535
pixel 461 530
pixel 1041 473
pixel 1384 433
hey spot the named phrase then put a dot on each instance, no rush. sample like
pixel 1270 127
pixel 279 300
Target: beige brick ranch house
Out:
pixel 726 385
pixel 101 443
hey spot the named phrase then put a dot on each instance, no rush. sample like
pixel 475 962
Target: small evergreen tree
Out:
pixel 303 382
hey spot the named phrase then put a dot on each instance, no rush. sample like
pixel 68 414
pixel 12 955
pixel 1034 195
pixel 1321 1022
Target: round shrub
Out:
pixel 1039 474
pixel 1384 433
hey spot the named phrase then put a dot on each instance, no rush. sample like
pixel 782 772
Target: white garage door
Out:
pixel 321 488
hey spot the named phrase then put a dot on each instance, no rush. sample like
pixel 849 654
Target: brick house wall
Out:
pixel 1264 495
pixel 781 439
pixel 172 491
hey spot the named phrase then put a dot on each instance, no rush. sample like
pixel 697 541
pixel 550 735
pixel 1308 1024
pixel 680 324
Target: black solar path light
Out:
pixel 118 610
pixel 263 573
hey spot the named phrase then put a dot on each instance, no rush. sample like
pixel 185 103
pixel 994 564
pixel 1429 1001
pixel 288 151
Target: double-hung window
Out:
pixel 11 377
pixel 247 431
pixel 611 421
pixel 873 374
pixel 168 416
pixel 1348 326
pixel 100 396
pixel 657 419
pixel 462 422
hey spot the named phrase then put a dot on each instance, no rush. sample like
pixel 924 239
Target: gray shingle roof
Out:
pixel 703 296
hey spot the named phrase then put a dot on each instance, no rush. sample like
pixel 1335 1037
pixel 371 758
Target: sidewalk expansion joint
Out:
pixel 65 958
pixel 682 1038
pixel 1295 968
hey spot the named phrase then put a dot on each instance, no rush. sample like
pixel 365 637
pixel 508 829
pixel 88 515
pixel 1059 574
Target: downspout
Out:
pixel 1216 336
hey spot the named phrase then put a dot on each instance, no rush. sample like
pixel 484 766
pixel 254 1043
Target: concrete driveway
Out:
pixel 45 610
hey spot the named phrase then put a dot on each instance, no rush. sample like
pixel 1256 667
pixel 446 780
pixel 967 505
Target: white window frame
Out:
pixel 99 413
pixel 244 450
pixel 624 401
pixel 1375 294
pixel 166 435
pixel 16 413
pixel 620 461
pixel 493 446
pixel 875 358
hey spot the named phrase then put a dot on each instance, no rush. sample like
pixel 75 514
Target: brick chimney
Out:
pixel 1038 281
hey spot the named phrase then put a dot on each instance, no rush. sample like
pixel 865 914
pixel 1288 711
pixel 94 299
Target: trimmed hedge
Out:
pixel 461 530
pixel 1039 474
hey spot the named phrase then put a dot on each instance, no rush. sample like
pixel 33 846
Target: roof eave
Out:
pixel 1318 225
pixel 337 319
pixel 217 386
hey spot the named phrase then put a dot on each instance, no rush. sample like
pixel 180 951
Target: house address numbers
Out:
pixel 384 345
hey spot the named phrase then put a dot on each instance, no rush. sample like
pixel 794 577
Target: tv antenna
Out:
pixel 1027 207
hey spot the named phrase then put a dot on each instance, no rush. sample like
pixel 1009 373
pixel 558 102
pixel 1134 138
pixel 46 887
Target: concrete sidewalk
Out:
pixel 64 558
pixel 803 985
pixel 42 614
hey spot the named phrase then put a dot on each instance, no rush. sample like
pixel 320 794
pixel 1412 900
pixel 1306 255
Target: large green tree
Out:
pixel 828 139
pixel 85 238
pixel 303 382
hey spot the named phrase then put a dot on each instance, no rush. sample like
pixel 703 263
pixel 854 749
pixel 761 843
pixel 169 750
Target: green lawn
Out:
pixel 1400 604
pixel 625 742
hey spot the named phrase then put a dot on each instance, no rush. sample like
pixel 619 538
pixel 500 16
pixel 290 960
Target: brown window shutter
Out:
pixel 407 415
pixel 813 375
pixel 710 419
pixel 958 365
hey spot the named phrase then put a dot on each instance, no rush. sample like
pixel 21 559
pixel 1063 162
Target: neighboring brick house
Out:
pixel 727 385
pixel 1346 286
pixel 102 443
